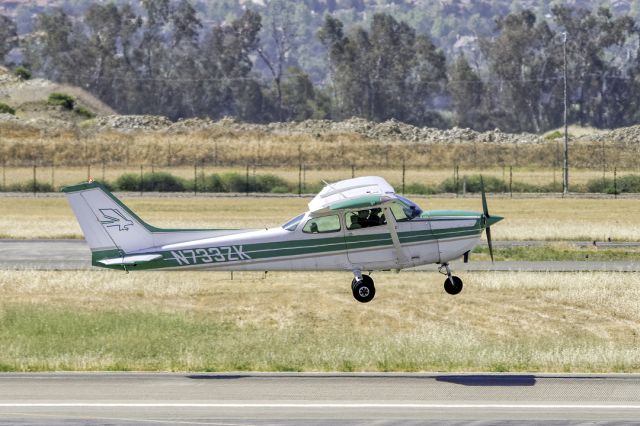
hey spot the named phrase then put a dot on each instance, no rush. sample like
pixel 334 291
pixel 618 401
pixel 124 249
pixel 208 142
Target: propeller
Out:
pixel 485 210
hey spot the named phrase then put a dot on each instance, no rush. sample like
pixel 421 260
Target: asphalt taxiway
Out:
pixel 75 255
pixel 328 398
pixel 293 399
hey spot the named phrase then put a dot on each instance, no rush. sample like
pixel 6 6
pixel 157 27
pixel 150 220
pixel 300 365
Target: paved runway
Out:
pixel 74 255
pixel 264 398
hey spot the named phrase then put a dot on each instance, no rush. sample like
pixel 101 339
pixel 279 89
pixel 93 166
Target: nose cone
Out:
pixel 493 220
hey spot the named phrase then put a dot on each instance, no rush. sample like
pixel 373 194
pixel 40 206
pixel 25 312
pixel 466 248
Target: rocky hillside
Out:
pixel 29 99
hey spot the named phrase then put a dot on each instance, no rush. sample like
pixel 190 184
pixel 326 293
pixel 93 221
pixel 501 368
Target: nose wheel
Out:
pixel 453 284
pixel 363 288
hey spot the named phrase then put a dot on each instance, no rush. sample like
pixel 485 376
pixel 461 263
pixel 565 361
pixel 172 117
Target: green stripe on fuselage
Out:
pixel 275 250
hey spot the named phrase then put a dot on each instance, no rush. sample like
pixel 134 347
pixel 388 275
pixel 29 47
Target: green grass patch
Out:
pixel 61 99
pixel 29 186
pixel 232 182
pixel 6 109
pixel 190 321
pixel 22 73
pixel 41 338
pixel 557 252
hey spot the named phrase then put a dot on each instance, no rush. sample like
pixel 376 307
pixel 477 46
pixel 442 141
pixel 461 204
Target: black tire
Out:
pixel 365 278
pixel 363 291
pixel 453 288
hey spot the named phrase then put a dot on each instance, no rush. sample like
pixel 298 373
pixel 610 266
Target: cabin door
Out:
pixel 368 239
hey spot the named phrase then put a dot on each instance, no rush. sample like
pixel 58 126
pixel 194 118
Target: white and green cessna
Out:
pixel 353 225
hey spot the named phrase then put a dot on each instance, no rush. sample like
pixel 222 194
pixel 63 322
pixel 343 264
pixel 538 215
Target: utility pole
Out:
pixel 565 165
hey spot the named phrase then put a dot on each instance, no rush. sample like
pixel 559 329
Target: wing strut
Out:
pixel 391 224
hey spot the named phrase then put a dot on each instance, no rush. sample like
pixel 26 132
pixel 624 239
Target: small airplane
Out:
pixel 355 225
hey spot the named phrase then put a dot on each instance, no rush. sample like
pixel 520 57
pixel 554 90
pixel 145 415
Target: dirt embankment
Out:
pixel 391 130
pixel 29 99
pixel 45 134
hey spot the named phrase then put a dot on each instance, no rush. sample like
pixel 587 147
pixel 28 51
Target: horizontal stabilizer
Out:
pixel 130 260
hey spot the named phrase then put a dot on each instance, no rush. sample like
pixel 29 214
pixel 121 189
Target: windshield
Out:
pixel 293 223
pixel 412 210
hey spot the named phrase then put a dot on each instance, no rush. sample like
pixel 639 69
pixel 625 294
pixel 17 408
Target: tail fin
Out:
pixel 111 229
pixel 106 222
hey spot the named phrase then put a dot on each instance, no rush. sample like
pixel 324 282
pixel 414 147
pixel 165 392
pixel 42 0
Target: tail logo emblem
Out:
pixel 114 218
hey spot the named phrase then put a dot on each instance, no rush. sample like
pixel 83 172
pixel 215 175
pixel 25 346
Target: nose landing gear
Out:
pixel 453 284
pixel 363 288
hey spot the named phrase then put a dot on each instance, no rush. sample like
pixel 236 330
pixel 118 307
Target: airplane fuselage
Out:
pixel 437 237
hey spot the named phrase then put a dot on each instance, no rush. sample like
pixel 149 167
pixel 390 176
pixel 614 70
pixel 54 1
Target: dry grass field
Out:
pixel 221 145
pixel 526 219
pixel 105 320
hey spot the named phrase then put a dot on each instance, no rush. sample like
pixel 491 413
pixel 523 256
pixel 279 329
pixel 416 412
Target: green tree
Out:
pixel 281 31
pixel 228 51
pixel 597 80
pixel 51 51
pixel 467 93
pixel 524 60
pixel 300 99
pixel 386 72
pixel 8 36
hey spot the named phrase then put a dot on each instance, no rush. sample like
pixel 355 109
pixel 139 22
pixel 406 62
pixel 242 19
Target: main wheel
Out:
pixel 363 291
pixel 453 288
pixel 365 278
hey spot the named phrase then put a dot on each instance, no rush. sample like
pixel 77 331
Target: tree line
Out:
pixel 162 58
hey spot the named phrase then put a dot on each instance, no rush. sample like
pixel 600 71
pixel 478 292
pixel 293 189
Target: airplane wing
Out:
pixel 364 191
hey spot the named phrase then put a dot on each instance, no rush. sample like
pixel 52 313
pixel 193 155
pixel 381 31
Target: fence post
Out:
pixel 456 177
pixel 304 178
pixel 195 178
pixel 141 186
pixel 103 171
pixel 202 177
pixel 246 182
pixel 464 185
pixel 404 173
pixel 4 175
pixel 615 182
pixel 353 171
pixel 510 181
pixel 89 172
pixel 34 179
pixel 53 166
pixel 604 165
pixel 299 180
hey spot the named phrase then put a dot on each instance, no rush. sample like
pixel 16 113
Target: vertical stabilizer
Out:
pixel 107 224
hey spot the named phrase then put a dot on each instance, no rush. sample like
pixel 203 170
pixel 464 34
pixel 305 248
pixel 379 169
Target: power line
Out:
pixel 377 79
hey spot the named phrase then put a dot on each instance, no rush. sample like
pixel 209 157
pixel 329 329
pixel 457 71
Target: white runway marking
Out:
pixel 316 405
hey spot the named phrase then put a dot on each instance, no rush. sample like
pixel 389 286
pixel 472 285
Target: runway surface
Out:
pixel 74 255
pixel 340 398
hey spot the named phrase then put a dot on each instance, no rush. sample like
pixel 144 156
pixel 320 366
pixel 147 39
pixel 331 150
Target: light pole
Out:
pixel 565 164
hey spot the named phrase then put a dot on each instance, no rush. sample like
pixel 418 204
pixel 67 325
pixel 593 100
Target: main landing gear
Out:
pixel 362 287
pixel 453 284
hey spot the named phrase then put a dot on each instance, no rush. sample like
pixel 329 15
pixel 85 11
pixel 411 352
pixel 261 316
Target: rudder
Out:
pixel 106 222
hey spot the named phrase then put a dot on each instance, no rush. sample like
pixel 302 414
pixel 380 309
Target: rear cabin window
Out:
pixel 322 224
pixel 365 219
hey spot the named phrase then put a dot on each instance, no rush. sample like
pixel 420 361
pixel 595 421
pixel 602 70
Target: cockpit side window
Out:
pixel 322 224
pixel 403 212
pixel 365 218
